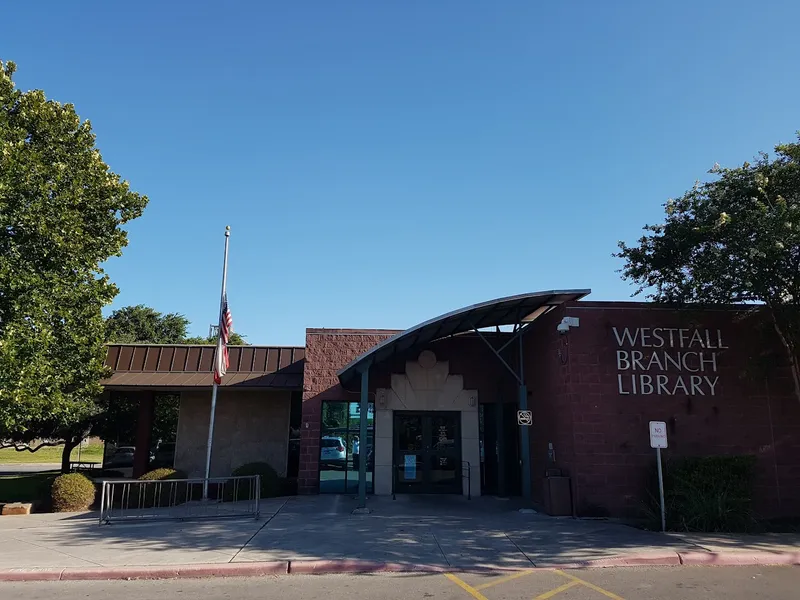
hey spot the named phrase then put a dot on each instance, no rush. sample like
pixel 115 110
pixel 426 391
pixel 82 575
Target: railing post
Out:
pixel 468 477
pixel 102 501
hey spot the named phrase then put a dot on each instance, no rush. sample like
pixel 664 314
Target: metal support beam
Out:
pixel 497 354
pixel 525 433
pixel 362 439
pixel 517 333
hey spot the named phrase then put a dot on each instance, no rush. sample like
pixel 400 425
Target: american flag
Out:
pixel 225 328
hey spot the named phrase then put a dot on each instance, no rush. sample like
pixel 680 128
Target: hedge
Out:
pixel 708 494
pixel 271 484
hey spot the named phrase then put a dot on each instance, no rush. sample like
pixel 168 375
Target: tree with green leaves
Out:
pixel 234 339
pixel 144 325
pixel 735 239
pixel 62 212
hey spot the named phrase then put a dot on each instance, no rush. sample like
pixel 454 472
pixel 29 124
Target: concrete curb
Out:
pixel 740 558
pixel 321 567
pixel 663 559
pixel 347 566
pixel 256 569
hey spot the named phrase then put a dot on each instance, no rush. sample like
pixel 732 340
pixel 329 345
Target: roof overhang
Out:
pixel 511 310
pixel 176 367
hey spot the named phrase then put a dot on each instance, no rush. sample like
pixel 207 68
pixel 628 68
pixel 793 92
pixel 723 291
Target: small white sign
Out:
pixel 525 417
pixel 658 434
pixel 410 467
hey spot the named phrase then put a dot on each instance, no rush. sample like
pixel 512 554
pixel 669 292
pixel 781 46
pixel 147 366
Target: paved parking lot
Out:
pixel 663 583
pixel 709 583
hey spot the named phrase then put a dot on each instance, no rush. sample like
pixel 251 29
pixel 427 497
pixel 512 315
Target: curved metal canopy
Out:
pixel 511 310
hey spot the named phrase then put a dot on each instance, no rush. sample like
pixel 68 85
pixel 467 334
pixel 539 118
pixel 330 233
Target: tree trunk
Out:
pixel 793 364
pixel 69 445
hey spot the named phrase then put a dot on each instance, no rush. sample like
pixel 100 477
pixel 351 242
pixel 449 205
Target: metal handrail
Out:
pixel 468 477
pixel 182 499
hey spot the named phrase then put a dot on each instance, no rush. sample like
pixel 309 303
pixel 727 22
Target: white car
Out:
pixel 332 452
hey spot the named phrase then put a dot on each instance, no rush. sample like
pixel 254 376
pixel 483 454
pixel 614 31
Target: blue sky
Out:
pixel 380 163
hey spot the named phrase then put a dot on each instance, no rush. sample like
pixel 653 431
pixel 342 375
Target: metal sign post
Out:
pixel 658 440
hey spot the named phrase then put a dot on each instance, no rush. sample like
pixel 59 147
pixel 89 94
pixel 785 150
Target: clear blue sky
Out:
pixel 380 163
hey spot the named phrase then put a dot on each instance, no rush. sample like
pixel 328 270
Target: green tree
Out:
pixel 735 239
pixel 144 325
pixel 234 339
pixel 61 216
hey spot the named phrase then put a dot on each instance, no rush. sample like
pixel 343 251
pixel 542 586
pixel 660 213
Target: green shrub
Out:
pixel 162 474
pixel 72 492
pixel 172 492
pixel 710 494
pixel 271 484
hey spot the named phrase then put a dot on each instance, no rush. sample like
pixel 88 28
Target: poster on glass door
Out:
pixel 355 411
pixel 410 467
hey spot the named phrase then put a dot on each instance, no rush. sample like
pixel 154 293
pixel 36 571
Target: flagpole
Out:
pixel 215 386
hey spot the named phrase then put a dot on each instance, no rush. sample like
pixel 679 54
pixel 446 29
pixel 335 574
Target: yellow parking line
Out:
pixel 483 586
pixel 465 586
pixel 558 590
pixel 591 586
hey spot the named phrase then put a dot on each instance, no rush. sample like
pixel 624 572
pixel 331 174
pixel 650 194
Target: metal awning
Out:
pixel 180 366
pixel 512 310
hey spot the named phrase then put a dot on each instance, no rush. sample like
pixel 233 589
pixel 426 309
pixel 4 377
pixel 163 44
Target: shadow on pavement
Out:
pixel 439 531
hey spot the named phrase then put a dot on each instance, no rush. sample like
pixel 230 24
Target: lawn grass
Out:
pixel 52 454
pixel 25 488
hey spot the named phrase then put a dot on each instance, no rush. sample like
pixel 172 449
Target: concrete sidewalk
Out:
pixel 319 534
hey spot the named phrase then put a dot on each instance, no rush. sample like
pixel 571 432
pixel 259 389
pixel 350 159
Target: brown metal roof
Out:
pixel 179 366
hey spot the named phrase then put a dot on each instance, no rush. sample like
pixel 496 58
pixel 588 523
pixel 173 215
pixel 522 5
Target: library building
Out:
pixel 545 396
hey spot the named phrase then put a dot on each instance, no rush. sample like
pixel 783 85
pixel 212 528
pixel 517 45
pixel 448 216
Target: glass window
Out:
pixel 342 450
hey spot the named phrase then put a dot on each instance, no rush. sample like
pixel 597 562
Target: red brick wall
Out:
pixel 547 378
pixel 609 457
pixel 327 351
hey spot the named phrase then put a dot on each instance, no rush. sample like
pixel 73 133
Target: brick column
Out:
pixel 308 477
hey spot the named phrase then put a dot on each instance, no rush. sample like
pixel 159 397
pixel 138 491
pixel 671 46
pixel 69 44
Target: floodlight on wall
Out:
pixel 566 324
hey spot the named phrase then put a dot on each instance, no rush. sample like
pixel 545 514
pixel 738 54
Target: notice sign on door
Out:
pixel 658 434
pixel 525 417
pixel 410 467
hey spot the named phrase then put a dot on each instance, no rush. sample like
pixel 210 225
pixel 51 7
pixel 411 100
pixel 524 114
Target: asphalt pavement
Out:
pixel 18 468
pixel 666 583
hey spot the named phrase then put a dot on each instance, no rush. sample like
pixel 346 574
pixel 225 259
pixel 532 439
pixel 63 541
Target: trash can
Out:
pixel 557 496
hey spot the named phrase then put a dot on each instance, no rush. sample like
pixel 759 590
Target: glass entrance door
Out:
pixel 427 452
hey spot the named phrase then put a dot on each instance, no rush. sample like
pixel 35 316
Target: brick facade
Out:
pixel 600 433
pixel 733 399
pixel 327 351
